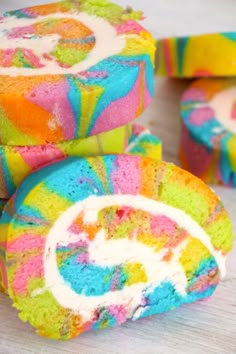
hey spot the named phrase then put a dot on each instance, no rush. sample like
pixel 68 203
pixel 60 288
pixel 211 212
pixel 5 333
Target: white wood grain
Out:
pixel 205 327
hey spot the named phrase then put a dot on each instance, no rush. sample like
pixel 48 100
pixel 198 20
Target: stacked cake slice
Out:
pixel 89 242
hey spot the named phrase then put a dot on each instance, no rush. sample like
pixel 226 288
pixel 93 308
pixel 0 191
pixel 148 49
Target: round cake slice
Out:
pixel 201 55
pixel 72 69
pixel 16 162
pixel 208 139
pixel 92 242
pixel 140 142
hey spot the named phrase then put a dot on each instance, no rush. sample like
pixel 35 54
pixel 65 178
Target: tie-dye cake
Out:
pixel 72 69
pixel 16 162
pixel 93 242
pixel 198 56
pixel 141 142
pixel 208 142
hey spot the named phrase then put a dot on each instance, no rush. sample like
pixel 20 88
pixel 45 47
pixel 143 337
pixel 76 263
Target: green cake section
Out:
pixel 186 192
pixel 160 181
pixel 111 12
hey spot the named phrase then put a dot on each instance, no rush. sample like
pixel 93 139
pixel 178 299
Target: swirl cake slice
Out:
pixel 203 55
pixel 208 138
pixel 72 69
pixel 92 242
pixel 17 162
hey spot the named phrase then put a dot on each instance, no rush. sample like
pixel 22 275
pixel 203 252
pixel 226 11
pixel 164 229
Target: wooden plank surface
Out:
pixel 202 328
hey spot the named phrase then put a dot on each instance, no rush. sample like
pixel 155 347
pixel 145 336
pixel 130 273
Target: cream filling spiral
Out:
pixel 112 252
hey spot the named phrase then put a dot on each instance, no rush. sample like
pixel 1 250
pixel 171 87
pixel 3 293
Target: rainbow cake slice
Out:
pixel 198 56
pixel 208 141
pixel 140 142
pixel 16 162
pixel 72 69
pixel 92 242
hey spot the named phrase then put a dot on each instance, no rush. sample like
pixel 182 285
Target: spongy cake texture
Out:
pixel 202 55
pixel 134 139
pixel 106 239
pixel 208 138
pixel 16 162
pixel 72 69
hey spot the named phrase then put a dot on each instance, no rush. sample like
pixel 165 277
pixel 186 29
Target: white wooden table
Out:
pixel 202 328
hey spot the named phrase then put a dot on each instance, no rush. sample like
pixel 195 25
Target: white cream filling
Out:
pixel 114 252
pixel 108 43
pixel 222 104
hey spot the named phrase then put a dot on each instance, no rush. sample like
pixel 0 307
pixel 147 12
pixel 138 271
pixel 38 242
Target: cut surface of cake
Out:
pixel 72 69
pixel 17 162
pixel 92 242
pixel 201 55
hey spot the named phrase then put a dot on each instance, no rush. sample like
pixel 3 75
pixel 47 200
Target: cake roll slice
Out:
pixel 201 55
pixel 16 162
pixel 208 138
pixel 72 69
pixel 140 142
pixel 93 242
